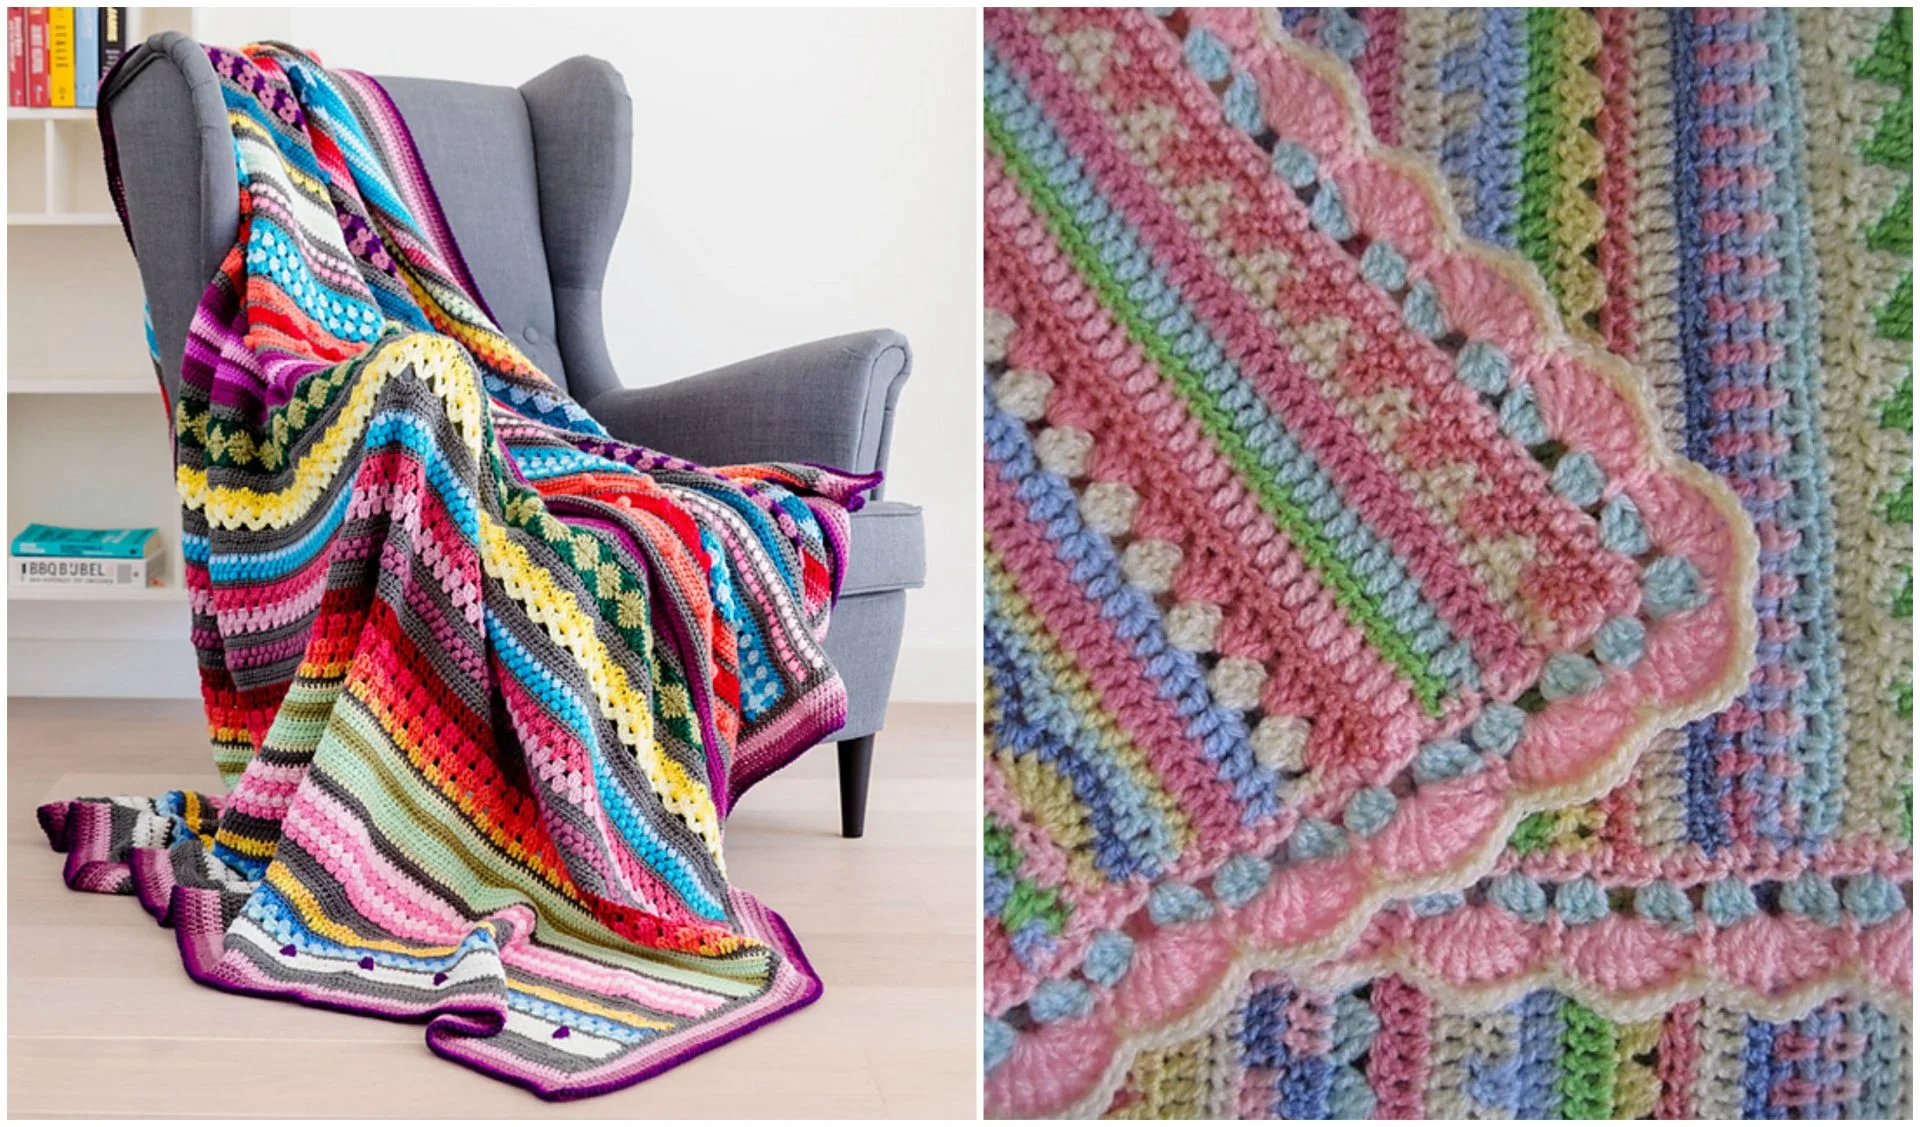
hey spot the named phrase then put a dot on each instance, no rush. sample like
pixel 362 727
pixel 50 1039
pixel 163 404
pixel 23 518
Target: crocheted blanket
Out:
pixel 484 682
pixel 1205 179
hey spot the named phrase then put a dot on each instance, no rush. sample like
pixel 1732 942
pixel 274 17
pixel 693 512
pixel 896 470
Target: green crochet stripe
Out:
pixel 1539 168
pixel 1029 901
pixel 1532 834
pixel 1218 423
pixel 1586 1064
pixel 1893 320
pixel 1896 505
pixel 1893 232
pixel 1890 63
pixel 1896 410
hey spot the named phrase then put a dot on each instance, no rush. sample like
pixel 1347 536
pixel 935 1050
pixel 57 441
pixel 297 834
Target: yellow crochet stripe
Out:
pixel 585 1005
pixel 436 360
pixel 554 607
pixel 1172 1083
pixel 247 846
pixel 1576 220
pixel 316 920
pixel 462 325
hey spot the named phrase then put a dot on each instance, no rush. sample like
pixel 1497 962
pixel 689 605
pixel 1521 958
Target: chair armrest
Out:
pixel 829 402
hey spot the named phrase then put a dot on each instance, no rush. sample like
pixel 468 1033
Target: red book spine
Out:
pixel 16 56
pixel 38 93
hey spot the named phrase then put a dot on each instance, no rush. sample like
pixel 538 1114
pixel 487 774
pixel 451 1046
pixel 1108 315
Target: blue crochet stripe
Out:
pixel 760 683
pixel 1130 838
pixel 1810 799
pixel 265 567
pixel 1178 677
pixel 1542 1032
pixel 1500 80
pixel 540 463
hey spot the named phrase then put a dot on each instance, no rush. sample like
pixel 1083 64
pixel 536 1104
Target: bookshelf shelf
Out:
pixel 82 385
pixel 63 219
pixel 21 593
pixel 26 113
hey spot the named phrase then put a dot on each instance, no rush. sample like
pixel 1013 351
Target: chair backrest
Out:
pixel 533 180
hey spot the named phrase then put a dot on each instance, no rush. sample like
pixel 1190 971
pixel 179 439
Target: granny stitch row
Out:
pixel 1317 554
pixel 483 681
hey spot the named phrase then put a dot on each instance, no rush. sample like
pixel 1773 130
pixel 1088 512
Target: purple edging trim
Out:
pixel 809 736
pixel 783 938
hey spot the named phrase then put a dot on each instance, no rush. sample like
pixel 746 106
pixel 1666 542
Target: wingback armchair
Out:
pixel 534 182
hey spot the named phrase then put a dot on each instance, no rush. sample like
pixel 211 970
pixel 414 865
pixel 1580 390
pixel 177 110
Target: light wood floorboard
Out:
pixel 103 1021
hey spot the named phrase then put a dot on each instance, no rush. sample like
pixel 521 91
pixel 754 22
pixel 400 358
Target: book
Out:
pixel 16 56
pixel 84 543
pixel 37 57
pixel 113 37
pixel 142 569
pixel 60 57
pixel 46 571
pixel 86 57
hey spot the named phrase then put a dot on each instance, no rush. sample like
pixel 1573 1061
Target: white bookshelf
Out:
pixel 86 433
pixel 20 592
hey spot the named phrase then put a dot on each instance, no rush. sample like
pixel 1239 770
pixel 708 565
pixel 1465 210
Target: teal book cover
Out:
pixel 83 543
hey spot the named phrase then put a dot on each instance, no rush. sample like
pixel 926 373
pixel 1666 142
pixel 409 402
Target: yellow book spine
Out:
pixel 60 56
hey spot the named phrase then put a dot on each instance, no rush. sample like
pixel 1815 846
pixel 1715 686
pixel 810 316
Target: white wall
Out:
pixel 797 174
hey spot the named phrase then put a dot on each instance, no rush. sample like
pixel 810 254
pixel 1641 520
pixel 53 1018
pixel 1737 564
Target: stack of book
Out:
pixel 56 56
pixel 47 556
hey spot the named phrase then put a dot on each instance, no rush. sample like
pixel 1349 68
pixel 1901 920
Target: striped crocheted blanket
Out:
pixel 1382 722
pixel 484 682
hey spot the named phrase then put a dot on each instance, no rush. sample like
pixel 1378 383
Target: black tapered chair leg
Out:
pixel 856 756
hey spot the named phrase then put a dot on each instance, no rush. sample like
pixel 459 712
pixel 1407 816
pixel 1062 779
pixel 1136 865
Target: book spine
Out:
pixel 37 57
pixel 16 56
pixel 113 37
pixel 59 572
pixel 60 57
pixel 86 57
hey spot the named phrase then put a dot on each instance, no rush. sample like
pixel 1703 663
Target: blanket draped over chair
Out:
pixel 483 681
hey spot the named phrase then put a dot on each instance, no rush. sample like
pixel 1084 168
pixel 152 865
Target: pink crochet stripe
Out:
pixel 1752 859
pixel 1397 1065
pixel 1378 69
pixel 1679 1052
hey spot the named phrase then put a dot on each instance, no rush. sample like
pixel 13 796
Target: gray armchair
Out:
pixel 534 182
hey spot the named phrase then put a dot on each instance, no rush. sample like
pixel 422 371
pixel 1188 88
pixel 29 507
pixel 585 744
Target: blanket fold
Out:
pixel 483 681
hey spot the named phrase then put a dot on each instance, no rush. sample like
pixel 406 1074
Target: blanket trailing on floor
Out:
pixel 483 681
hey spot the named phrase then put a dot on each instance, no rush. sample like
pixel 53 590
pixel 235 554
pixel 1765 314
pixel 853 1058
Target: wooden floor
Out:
pixel 103 1022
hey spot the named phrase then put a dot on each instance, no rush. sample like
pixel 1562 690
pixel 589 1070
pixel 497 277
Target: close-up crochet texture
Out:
pixel 483 682
pixel 1448 502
